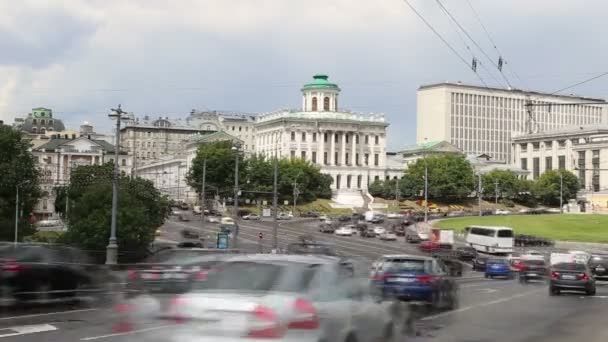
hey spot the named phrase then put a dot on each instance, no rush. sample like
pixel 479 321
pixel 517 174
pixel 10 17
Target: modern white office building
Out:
pixel 480 120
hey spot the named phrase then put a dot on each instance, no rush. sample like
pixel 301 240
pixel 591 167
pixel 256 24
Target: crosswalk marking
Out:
pixel 27 329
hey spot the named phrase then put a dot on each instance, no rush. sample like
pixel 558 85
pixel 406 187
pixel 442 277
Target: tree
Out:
pixel 141 210
pixel 17 168
pixel 509 184
pixel 450 176
pixel 221 161
pixel 311 183
pixel 547 188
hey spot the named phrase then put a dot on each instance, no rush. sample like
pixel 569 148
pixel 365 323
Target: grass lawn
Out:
pixel 566 227
pixel 320 205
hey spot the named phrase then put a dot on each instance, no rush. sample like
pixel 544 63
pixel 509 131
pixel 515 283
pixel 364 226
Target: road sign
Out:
pixel 266 212
pixel 222 240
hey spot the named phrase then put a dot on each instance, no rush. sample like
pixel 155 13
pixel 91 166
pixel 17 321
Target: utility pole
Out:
pixel 496 192
pixel 275 200
pixel 426 185
pixel 397 194
pixel 479 194
pixel 203 193
pixel 296 192
pixel 112 248
pixel 179 166
pixel 236 196
pixel 17 215
pixel 561 192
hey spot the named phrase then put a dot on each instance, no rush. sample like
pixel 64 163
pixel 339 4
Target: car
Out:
pixel 388 236
pixel 284 216
pixel 394 216
pixel 213 219
pixel 323 217
pixel 251 217
pixel 312 214
pixel 344 231
pixel 399 230
pixel 414 278
pixel 263 297
pixel 183 218
pixel 196 210
pixel 311 248
pixel 379 230
pixel 344 218
pixel 598 263
pixel 376 219
pixel 32 273
pixel 498 268
pixel 158 232
pixel 450 262
pixel 175 212
pixel 571 276
pixel 326 228
pixel 226 220
pixel 532 269
pixel 466 253
pixel 368 233
pixel 502 212
pixel 429 246
pixel 190 234
pixel 479 263
pixel 516 263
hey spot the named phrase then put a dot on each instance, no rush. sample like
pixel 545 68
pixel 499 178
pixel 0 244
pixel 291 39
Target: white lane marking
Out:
pixel 48 314
pixel 132 332
pixel 28 329
pixel 502 300
pixel 488 290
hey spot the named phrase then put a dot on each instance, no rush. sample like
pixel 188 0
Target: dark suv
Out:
pixel 599 265
pixel 532 270
pixel 571 277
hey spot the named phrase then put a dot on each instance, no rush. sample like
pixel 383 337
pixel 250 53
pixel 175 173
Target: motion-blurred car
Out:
pixel 414 278
pixel 38 273
pixel 226 220
pixel 399 230
pixel 158 232
pixel 183 218
pixel 251 217
pixel 213 219
pixel 394 216
pixel 326 228
pixel 379 230
pixel 323 217
pixel 344 218
pixel 466 253
pixel 270 297
pixel 429 246
pixel 368 233
pixel 498 268
pixel 479 263
pixel 311 248
pixel 533 269
pixel 312 214
pixel 571 277
pixel 388 236
pixel 502 212
pixel 598 263
pixel 344 231
pixel 284 216
pixel 189 234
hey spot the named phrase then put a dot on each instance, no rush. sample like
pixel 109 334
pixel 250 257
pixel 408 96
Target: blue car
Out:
pixel 414 278
pixel 498 268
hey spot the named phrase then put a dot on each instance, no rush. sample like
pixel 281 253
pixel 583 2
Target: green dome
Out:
pixel 320 82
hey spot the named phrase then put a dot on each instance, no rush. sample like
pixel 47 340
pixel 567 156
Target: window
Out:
pixel 505 233
pixel 359 181
pixel 357 159
pixel 293 136
pixel 346 138
pixel 548 163
pixel 336 161
pixel 303 136
pixel 524 147
pixel 366 159
pixel 124 162
pixel 240 128
pixel 336 137
pixel 376 140
pixel 367 139
pixel 314 104
pixel 303 154
pixel 346 158
pixel 535 168
pixel 357 138
pixel 326 104
pixel 35 121
pixel 42 122
pixel 348 180
pixel 376 159
pixel 535 146
pixel 314 157
pixel 325 158
pixel 548 145
pixel 524 163
pixel 324 137
pixel 293 154
pixel 561 161
pixel 314 137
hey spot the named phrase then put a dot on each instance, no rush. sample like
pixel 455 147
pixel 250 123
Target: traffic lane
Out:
pixel 524 313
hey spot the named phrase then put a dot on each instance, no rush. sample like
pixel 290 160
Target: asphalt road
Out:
pixel 490 310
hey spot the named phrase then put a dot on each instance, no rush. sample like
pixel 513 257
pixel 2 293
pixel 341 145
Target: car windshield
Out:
pixel 569 267
pixel 407 265
pixel 498 261
pixel 533 262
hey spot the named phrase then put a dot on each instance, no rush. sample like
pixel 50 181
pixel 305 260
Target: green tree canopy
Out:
pixel 450 176
pixel 547 188
pixel 311 183
pixel 221 161
pixel 506 182
pixel 17 167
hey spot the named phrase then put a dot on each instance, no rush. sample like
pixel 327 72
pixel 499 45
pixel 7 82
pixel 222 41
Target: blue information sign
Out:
pixel 222 240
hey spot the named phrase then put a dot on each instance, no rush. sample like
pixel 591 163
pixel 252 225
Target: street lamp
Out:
pixel 426 183
pixel 17 210
pixel 236 149
pixel 112 249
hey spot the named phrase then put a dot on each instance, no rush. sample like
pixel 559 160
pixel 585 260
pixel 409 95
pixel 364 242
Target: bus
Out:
pixel 490 239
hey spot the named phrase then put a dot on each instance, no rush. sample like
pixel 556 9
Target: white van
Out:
pixel 490 239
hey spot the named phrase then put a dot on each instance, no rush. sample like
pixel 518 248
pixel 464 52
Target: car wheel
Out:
pixel 486 275
pixel 553 291
pixel 591 291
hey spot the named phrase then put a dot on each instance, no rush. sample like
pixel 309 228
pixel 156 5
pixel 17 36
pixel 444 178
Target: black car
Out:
pixel 39 273
pixel 327 228
pixel 183 218
pixel 479 263
pixel 399 229
pixel 189 234
pixel 571 277
pixel 466 253
pixel 367 233
pixel 311 248
pixel 598 263
pixel 344 218
pixel 312 214
pixel 534 269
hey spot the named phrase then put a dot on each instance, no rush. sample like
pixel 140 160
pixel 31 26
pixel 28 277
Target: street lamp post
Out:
pixel 561 192
pixel 479 193
pixel 236 195
pixel 203 193
pixel 112 248
pixel 275 200
pixel 426 185
pixel 17 211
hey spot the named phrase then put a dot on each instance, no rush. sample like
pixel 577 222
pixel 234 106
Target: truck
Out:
pixel 443 237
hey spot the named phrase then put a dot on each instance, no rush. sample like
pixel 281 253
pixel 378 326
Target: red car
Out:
pixel 429 246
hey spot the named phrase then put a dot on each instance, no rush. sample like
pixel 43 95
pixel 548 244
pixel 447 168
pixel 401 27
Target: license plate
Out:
pixel 401 280
pixel 566 276
pixel 600 268
pixel 150 276
pixel 532 274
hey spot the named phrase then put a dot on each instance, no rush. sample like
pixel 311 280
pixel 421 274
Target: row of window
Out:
pixel 347 159
pixel 547 144
pixel 42 122
pixel 561 164
pixel 326 138
pixel 325 104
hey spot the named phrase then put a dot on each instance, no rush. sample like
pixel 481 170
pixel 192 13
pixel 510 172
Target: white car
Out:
pixel 344 231
pixel 388 236
pixel 227 220
pixel 502 212
pixel 323 217
pixel 394 216
pixel 251 217
pixel 213 219
pixel 379 231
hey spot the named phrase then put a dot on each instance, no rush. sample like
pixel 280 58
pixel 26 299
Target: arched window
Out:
pixel 314 104
pixel 42 122
pixel 42 131
pixel 326 104
pixel 34 130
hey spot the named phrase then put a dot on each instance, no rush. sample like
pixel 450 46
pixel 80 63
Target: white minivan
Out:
pixel 490 239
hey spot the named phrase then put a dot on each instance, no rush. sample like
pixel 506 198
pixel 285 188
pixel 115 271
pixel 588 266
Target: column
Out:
pixel 309 145
pixel 361 150
pixel 332 148
pixel 298 144
pixel 321 147
pixel 353 149
pixel 343 149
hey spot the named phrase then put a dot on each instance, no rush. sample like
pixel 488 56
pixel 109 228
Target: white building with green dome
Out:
pixel 348 146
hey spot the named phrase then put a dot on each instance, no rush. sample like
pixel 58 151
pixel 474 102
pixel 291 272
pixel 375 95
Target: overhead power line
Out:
pixel 472 40
pixel 443 40
pixel 581 82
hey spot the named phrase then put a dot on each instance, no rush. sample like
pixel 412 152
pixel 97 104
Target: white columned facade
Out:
pixel 332 148
pixel 353 146
pixel 309 145
pixel 343 149
pixel 321 148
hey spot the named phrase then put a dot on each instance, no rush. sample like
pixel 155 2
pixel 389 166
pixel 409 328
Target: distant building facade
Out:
pixel 480 120
pixel 39 122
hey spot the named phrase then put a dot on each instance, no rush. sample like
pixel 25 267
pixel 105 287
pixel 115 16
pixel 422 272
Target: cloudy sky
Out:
pixel 166 57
